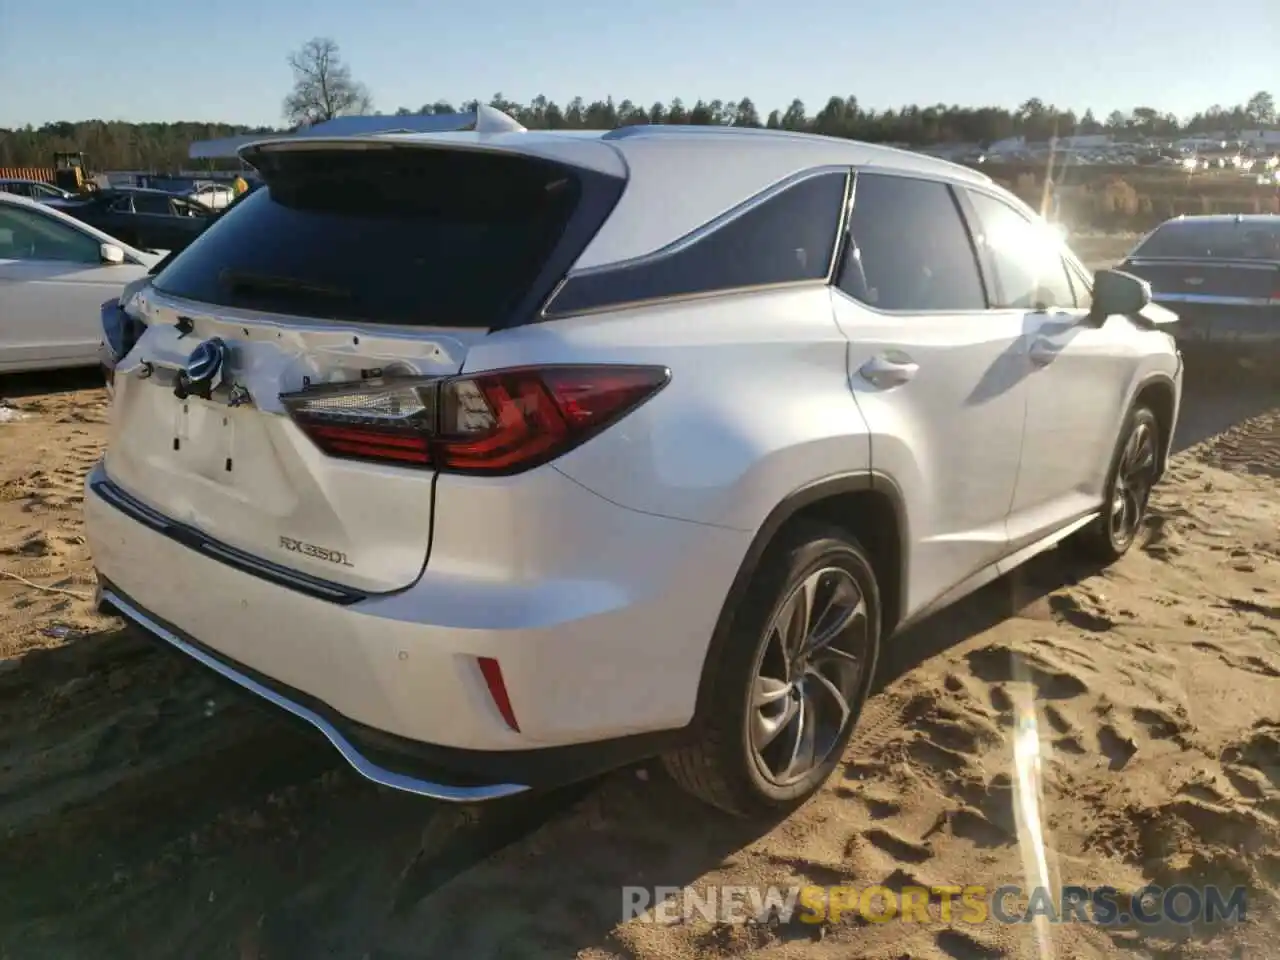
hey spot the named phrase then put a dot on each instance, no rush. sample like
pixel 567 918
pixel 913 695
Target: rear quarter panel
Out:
pixel 758 404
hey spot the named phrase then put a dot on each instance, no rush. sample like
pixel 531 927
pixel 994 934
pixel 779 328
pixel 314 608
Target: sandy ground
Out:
pixel 145 812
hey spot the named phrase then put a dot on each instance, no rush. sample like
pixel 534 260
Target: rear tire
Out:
pixel 796 671
pixel 1130 480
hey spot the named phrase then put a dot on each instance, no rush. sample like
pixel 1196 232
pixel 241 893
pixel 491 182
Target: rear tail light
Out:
pixel 120 332
pixel 497 422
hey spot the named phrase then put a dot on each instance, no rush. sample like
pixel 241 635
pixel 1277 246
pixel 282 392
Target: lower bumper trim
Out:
pixel 362 764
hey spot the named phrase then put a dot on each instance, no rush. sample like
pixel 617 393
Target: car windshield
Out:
pixel 1226 240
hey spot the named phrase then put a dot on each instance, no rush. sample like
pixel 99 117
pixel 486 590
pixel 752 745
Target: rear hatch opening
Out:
pixel 368 264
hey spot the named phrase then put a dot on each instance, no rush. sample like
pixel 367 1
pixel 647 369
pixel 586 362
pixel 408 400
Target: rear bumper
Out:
pixel 601 670
pixel 1225 327
pixel 340 734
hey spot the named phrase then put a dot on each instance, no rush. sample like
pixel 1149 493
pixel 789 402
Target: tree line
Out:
pixel 324 88
pixel 114 144
pixel 913 125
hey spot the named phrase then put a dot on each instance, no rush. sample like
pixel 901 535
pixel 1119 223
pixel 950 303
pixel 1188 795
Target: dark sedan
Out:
pixel 35 189
pixel 1221 276
pixel 148 219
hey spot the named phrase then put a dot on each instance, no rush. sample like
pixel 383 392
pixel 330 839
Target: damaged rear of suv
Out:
pixel 295 394
pixel 308 490
pixel 254 411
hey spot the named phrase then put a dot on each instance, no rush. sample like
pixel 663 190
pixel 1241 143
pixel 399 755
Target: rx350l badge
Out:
pixel 203 372
pixel 318 553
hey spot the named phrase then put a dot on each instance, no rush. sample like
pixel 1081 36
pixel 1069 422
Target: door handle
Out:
pixel 885 371
pixel 1042 352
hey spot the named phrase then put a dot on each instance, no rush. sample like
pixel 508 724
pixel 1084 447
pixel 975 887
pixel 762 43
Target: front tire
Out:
pixel 1134 467
pixel 795 674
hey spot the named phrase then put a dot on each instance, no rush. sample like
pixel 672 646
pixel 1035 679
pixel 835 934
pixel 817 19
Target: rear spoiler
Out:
pixel 485 120
pixel 486 131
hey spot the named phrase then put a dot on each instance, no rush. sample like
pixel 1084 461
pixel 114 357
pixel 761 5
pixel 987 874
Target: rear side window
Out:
pixel 1226 239
pixel 908 248
pixel 787 237
pixel 404 236
pixel 150 203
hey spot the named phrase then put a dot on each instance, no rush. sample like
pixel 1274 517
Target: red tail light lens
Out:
pixel 491 670
pixel 498 422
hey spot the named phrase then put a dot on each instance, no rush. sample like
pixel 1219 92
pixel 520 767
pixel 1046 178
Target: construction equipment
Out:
pixel 69 172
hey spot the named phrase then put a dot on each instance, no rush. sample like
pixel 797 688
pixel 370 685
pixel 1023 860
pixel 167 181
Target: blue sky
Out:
pixel 179 60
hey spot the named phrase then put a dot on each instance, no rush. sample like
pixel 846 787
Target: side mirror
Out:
pixel 111 254
pixel 1117 292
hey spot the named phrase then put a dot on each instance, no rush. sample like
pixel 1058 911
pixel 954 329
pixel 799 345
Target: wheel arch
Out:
pixel 1159 392
pixel 870 505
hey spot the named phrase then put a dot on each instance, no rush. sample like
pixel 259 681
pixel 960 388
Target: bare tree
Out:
pixel 322 85
pixel 1261 108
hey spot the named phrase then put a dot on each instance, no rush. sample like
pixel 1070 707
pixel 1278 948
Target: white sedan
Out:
pixel 215 196
pixel 55 273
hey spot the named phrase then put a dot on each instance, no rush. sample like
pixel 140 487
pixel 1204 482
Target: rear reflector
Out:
pixel 492 672
pixel 497 422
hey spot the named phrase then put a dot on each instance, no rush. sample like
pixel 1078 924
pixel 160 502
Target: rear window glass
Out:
pixel 1228 239
pixel 398 236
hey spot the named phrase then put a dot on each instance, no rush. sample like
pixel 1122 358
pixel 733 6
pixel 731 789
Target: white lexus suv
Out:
pixel 506 458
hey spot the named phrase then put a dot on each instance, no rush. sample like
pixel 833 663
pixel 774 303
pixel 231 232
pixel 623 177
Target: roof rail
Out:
pixel 648 129
pixel 492 120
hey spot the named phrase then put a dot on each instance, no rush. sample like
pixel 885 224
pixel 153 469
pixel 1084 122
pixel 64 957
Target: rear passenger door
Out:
pixel 937 375
pixel 1078 374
